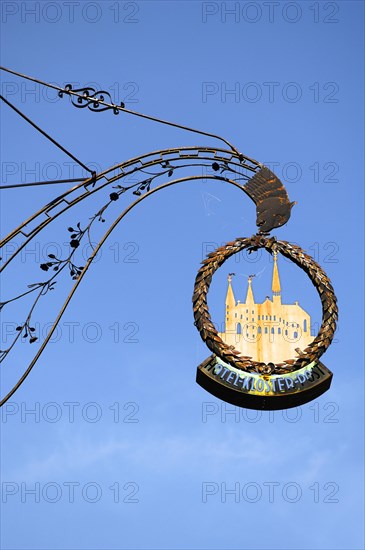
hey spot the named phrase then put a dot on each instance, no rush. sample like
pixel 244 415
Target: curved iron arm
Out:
pixel 90 260
pixel 94 184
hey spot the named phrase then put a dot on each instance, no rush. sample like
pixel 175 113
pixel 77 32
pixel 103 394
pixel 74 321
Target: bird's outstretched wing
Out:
pixel 273 206
pixel 265 185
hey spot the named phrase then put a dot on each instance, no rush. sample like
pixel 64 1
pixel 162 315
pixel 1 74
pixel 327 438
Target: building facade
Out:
pixel 270 331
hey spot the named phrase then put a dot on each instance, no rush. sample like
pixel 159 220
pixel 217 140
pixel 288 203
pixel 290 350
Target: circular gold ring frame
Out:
pixel 204 324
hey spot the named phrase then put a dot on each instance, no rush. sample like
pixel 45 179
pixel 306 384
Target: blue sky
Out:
pixel 154 451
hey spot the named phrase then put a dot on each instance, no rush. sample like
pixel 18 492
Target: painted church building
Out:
pixel 270 331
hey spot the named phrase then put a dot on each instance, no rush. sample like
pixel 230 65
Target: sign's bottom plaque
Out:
pixel 263 391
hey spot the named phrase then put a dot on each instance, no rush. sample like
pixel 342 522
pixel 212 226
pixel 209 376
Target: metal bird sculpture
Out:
pixel 273 207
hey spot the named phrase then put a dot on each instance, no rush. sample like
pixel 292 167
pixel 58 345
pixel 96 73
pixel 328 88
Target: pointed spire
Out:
pixel 230 299
pixel 276 287
pixel 249 296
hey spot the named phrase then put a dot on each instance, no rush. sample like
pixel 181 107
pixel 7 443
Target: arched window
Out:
pixel 258 317
pixel 272 330
pixel 305 325
pixel 239 328
pixel 259 330
pixel 266 317
pixel 295 335
pixel 286 333
pixel 266 330
pixel 279 330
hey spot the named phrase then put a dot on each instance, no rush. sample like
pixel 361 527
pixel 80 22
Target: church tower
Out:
pixel 275 286
pixel 249 296
pixel 230 305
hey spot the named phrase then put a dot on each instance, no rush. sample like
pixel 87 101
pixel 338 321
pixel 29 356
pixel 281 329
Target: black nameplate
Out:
pixel 262 391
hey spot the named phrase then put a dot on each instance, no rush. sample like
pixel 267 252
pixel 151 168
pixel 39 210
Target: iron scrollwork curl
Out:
pixel 93 99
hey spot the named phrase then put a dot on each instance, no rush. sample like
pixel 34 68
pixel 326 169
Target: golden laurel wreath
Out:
pixel 296 254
